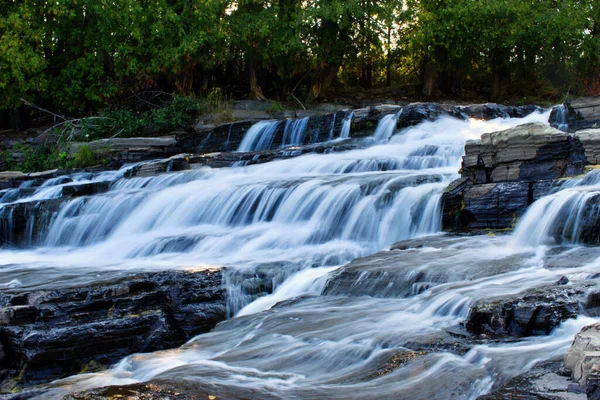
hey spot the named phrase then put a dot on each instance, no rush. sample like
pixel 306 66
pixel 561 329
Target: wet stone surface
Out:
pixel 47 334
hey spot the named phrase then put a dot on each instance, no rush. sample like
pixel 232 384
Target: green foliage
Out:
pixel 39 158
pixel 87 56
pixel 123 122
pixel 217 106
pixel 84 157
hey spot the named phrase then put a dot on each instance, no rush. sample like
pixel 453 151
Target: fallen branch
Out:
pixel 44 110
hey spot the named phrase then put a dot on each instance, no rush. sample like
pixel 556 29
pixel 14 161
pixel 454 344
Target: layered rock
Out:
pixel 583 358
pixel 578 114
pixel 504 172
pixel 51 333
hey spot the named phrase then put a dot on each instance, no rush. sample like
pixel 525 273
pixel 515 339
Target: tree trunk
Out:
pixel 323 80
pixel 255 90
pixel 430 78
pixel 500 83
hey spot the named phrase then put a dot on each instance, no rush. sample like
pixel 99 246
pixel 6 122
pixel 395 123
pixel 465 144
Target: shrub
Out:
pixel 84 157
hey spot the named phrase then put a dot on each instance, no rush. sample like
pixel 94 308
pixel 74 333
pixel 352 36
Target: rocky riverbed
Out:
pixel 103 264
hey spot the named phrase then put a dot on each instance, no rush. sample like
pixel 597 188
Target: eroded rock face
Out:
pixel 504 172
pixel 534 312
pixel 48 334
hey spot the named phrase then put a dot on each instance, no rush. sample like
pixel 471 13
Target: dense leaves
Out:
pixel 79 56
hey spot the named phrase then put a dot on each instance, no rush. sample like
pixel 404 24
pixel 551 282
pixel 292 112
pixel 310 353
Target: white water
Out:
pixel 561 217
pixel 346 125
pixel 259 136
pixel 294 131
pixel 561 117
pixel 386 127
pixel 301 219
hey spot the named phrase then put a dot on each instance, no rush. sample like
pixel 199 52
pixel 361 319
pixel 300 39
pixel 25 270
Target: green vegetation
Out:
pixel 84 157
pixel 92 56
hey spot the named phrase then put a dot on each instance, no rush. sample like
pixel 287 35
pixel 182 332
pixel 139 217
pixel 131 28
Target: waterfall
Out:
pixel 561 117
pixel 259 137
pixel 346 125
pixel 296 225
pixel 386 127
pixel 562 216
pixel 332 129
pixel 294 132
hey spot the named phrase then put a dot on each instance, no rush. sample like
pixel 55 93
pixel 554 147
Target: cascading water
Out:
pixel 346 125
pixel 561 117
pixel 301 219
pixel 294 131
pixel 563 216
pixel 259 136
pixel 386 127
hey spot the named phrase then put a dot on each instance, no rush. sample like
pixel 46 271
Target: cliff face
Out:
pixel 504 172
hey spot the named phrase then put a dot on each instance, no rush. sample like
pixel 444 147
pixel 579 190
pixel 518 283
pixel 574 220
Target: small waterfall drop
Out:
pixel 386 127
pixel 563 216
pixel 294 131
pixel 346 125
pixel 259 137
pixel 561 117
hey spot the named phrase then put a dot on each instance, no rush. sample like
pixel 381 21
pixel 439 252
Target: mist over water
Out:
pixel 302 219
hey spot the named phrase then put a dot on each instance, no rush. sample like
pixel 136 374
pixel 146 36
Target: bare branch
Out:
pixel 43 110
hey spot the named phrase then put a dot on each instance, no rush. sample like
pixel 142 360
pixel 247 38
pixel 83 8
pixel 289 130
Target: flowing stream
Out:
pixel 302 219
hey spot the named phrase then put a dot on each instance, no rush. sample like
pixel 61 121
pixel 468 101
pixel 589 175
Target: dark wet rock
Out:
pixel 543 381
pixel 504 172
pixel 47 334
pixel 489 111
pixel 563 281
pixel 534 312
pixel 416 113
pixel 469 207
pixel 24 224
pixel 142 391
pixel 578 114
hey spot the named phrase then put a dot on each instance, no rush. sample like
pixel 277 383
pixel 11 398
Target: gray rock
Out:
pixel 590 140
pixel 541 382
pixel 583 358
pixel 242 115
